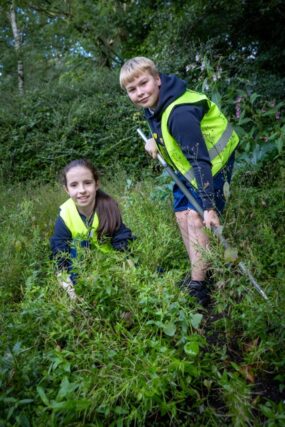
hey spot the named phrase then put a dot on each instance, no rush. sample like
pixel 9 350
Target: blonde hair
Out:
pixel 134 67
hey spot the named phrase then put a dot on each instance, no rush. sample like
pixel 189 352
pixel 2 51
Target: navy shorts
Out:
pixel 180 201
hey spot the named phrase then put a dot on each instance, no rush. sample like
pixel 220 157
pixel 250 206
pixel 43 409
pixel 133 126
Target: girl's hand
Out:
pixel 66 283
pixel 151 148
pixel 211 218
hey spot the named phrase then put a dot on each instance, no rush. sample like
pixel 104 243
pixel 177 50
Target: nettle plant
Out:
pixel 261 126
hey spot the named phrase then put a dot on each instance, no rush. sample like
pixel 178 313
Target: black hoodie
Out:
pixel 184 125
pixel 61 240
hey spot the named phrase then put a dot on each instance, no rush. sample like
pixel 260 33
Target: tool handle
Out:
pixel 144 137
pixel 180 184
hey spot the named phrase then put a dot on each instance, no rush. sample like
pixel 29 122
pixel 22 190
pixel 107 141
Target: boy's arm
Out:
pixel 185 127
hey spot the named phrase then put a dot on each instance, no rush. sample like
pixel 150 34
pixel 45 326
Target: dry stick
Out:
pixel 216 230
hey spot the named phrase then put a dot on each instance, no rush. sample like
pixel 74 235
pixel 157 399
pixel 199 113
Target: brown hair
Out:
pixel 134 67
pixel 106 207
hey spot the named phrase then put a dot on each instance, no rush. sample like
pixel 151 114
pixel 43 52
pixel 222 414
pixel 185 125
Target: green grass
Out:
pixel 136 350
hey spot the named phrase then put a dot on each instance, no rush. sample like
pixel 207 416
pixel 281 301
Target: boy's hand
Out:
pixel 151 148
pixel 211 218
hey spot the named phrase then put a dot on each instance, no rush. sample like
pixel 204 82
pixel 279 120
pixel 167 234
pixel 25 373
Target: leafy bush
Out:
pixel 86 118
pixel 85 114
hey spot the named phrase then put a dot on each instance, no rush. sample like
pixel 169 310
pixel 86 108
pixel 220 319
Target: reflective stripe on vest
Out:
pixel 220 138
pixel 79 231
pixel 216 150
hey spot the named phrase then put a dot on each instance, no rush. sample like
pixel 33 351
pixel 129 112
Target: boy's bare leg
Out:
pixel 182 221
pixel 195 240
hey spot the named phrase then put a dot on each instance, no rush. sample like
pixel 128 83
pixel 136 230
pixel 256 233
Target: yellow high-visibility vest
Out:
pixel 79 231
pixel 220 138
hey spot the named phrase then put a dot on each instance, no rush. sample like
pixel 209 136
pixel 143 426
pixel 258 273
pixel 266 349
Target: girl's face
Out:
pixel 82 187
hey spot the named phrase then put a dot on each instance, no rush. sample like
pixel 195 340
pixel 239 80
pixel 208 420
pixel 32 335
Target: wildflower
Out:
pixel 238 106
pixel 189 67
pixel 272 103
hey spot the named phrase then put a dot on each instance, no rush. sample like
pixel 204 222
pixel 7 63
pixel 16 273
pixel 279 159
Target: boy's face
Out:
pixel 143 90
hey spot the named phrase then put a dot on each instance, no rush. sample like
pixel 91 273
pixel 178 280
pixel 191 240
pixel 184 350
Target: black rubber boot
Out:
pixel 200 291
pixel 184 282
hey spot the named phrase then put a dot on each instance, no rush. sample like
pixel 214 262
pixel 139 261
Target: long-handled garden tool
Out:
pixel 216 230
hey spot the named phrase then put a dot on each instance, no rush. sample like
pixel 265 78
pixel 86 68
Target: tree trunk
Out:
pixel 18 45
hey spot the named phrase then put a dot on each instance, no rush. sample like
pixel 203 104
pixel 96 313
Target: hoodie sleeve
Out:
pixel 60 244
pixel 121 238
pixel 185 127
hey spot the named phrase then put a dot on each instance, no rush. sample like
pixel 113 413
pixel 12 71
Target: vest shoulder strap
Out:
pixel 74 222
pixel 188 97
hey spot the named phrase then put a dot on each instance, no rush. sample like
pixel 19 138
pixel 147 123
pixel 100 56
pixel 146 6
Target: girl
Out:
pixel 87 218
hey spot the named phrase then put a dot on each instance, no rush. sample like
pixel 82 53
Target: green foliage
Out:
pixel 232 31
pixel 135 349
pixel 261 128
pixel 77 118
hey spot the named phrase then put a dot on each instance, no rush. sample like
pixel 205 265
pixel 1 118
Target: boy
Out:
pixel 193 137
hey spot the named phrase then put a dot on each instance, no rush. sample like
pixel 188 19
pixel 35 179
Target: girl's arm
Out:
pixel 60 246
pixel 65 282
pixel 121 238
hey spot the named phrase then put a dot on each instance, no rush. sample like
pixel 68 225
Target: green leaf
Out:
pixel 196 320
pixel 43 396
pixel 231 254
pixel 216 98
pixel 71 405
pixel 191 348
pixel 169 329
pixel 17 346
pixel 119 410
pixel 25 401
pixel 267 411
pixel 243 121
pixel 279 144
pixel 253 97
pixel 65 388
